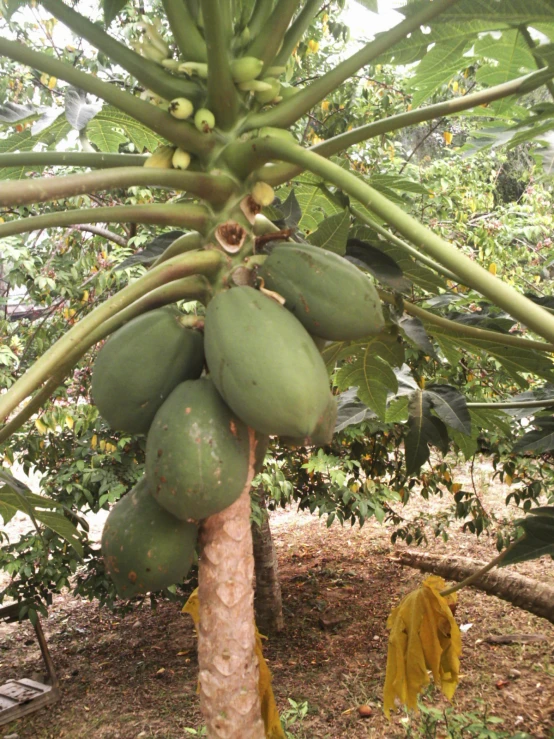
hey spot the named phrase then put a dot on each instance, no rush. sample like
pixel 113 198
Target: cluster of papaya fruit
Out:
pixel 265 376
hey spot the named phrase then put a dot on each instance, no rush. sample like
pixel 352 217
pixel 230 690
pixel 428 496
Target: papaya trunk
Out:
pixel 268 602
pixel 226 639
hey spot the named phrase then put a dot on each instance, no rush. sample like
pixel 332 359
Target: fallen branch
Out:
pixel 523 592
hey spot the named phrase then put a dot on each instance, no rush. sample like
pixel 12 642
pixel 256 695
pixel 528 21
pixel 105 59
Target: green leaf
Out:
pixel 423 430
pixel 13 112
pixel 78 110
pixel 111 9
pixel 370 370
pixel 381 266
pixel 332 233
pixel 110 128
pixel 437 68
pixel 416 333
pixel 539 440
pixel 450 406
pixel 538 540
pixel 152 251
pixel 16 496
pixel 25 141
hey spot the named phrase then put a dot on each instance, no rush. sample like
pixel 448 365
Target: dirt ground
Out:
pixel 135 677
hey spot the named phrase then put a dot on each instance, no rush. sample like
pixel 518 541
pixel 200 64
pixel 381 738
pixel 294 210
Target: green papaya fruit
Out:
pixel 141 364
pixel 264 363
pixel 197 452
pixel 144 547
pixel 323 432
pixel 331 297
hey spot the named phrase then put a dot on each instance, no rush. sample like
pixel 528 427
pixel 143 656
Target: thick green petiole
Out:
pixel 205 262
pixel 289 111
pixel 180 133
pixel 266 44
pixel 185 31
pixel 94 159
pixel 162 214
pixel 223 98
pixel 277 174
pixel 187 288
pixel 514 303
pixel 215 189
pixel 297 29
pixel 147 72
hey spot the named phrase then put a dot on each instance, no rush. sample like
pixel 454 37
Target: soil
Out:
pixel 134 676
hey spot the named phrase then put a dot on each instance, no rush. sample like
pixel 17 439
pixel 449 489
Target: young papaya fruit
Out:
pixel 264 363
pixel 246 68
pixel 330 296
pixel 141 364
pixel 197 452
pixel 144 547
pixel 323 432
pixel 266 96
pixel 181 108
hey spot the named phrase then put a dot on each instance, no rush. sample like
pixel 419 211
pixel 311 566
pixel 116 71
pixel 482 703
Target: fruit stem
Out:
pixel 185 31
pixel 215 189
pixel 206 262
pixel 223 98
pixel 504 296
pixel 277 174
pixel 160 214
pixel 289 111
pixel 181 133
pixel 147 72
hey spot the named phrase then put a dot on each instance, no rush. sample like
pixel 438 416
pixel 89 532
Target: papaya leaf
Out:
pixel 16 496
pixel 370 369
pixel 437 68
pixel 423 429
pixel 351 411
pixel 110 128
pixel 290 211
pixel 538 540
pixel 332 233
pixel 152 251
pixel 14 112
pixel 450 406
pixel 539 440
pixel 79 111
pixel 416 333
pixel 381 265
pixel 424 637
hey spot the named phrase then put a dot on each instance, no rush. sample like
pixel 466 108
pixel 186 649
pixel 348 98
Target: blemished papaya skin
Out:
pixel 144 547
pixel 331 297
pixel 264 363
pixel 197 452
pixel 141 364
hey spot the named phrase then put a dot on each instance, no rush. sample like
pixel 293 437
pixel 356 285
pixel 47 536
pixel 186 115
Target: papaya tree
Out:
pixel 203 111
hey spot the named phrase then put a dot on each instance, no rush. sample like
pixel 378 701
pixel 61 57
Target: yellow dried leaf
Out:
pixel 508 479
pixel 492 268
pixel 52 82
pixel 270 714
pixel 313 46
pixel 69 422
pixel 447 136
pixel 423 637
pixel 40 426
pixel 325 105
pixel 94 441
pixel 456 487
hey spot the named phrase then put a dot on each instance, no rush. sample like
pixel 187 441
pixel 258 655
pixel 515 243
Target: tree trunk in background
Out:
pixel 268 603
pixel 226 638
pixel 523 592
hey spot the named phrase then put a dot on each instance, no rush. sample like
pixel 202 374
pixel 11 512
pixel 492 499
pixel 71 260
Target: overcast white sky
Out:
pixel 364 24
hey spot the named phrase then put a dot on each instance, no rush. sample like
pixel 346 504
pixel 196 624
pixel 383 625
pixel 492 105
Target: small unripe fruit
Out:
pixel 204 120
pixel 200 69
pixel 181 108
pixel 255 86
pixel 171 64
pixel 262 194
pixel 267 96
pixel 161 158
pixel 181 159
pixel 275 71
pixel 246 68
